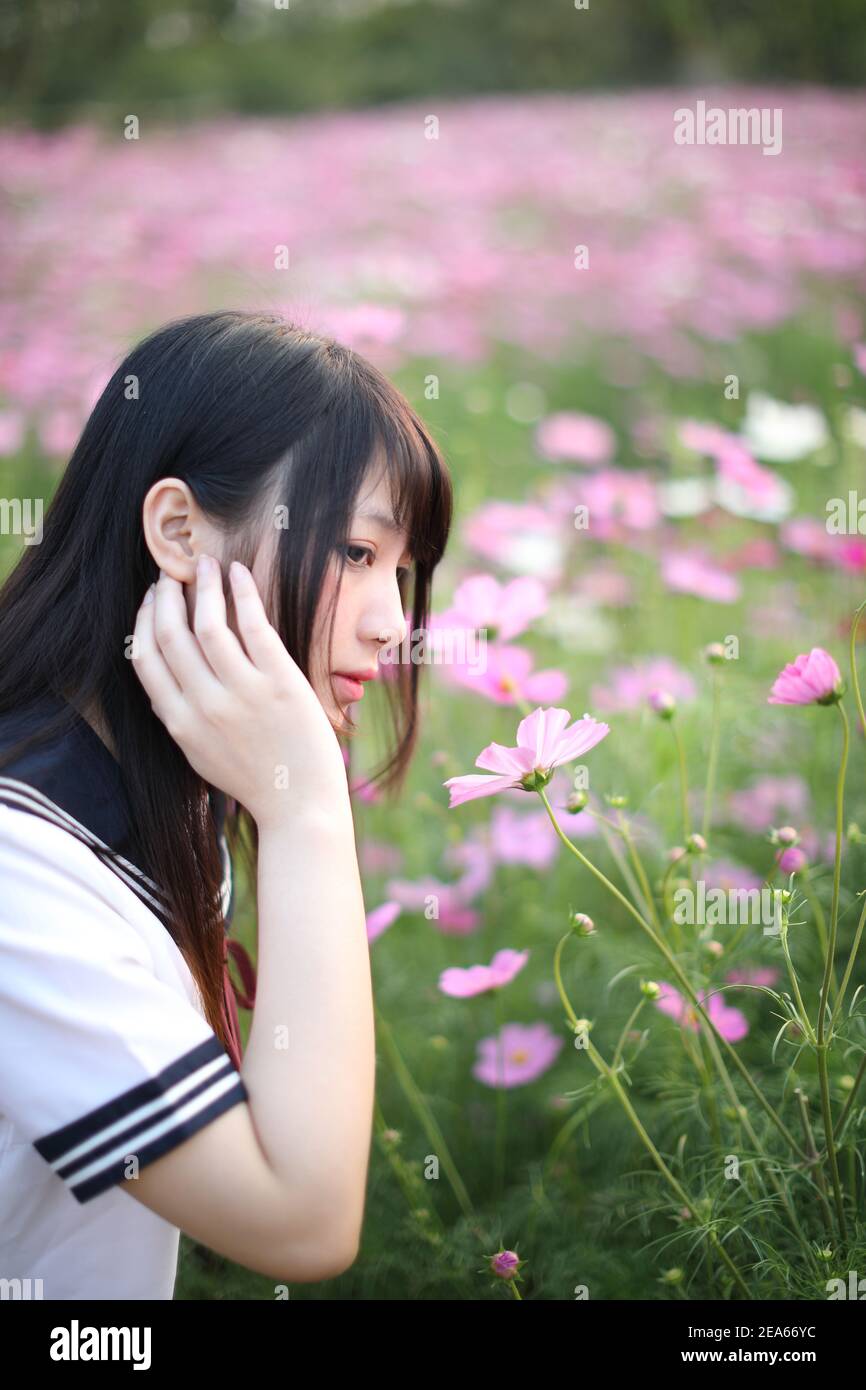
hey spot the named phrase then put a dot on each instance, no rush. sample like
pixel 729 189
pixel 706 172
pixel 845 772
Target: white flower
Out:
pixel 685 496
pixel 780 432
pixel 775 505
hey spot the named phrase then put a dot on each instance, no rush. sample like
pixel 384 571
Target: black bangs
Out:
pixel 420 487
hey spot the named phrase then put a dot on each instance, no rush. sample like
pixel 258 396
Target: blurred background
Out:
pixel 487 199
pixel 72 58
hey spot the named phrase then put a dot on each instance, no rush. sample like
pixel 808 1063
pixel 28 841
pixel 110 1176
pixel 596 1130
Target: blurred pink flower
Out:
pixel 543 742
pixel 381 918
pixel 792 861
pixel 506 676
pixel 378 856
pixel 693 572
pixel 463 983
pixel 730 1022
pixel 814 678
pixel 568 435
pixel 769 800
pixel 630 686
pixel 528 1051
pixel 725 874
pixel 11 432
pixel 521 536
pixel 753 975
pixel 505 610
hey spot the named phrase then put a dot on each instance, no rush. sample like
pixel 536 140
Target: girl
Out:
pixel 232 544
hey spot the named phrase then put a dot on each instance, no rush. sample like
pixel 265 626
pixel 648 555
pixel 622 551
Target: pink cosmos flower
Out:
pixel 521 536
pixel 506 675
pixel 463 983
pixel 568 435
pixel 811 679
pixel 692 572
pixel 629 686
pixel 731 1023
pixel 618 500
pixel 543 743
pixel 527 1051
pixel 505 610
pixel 381 918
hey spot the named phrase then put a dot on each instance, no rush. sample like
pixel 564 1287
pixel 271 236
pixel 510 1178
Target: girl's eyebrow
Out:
pixel 388 522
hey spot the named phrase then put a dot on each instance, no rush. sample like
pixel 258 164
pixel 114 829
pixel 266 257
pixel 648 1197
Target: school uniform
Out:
pixel 107 1057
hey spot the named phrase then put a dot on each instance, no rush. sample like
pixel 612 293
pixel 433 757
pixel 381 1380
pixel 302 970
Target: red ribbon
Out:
pixel 232 996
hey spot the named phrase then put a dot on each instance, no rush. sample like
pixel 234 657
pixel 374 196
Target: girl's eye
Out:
pixel 361 550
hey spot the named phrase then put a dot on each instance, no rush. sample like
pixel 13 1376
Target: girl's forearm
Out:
pixel 309 1065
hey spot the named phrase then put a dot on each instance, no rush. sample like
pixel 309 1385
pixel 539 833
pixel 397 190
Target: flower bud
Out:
pixel 672 1276
pixel 650 988
pixel 582 925
pixel 505 1264
pixel 714 653
pixel 676 853
pixel 663 703
pixel 616 800
pixel 715 948
pixel 696 844
pixel 576 802
pixel 786 835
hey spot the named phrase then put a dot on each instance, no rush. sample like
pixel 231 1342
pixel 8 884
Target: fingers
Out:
pixel 150 665
pixel 219 644
pixel 261 639
pixel 177 644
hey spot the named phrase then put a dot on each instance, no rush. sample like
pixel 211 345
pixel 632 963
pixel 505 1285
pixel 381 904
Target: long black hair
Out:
pixel 250 411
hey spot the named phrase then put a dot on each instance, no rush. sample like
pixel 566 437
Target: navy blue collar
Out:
pixel 76 771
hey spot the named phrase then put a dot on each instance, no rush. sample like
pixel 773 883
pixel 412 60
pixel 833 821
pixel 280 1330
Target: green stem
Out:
pixel 499 1150
pixel 849 967
pixel 684 781
pixel 840 1123
pixel 837 870
pixel 602 1067
pixel 824 1081
pixel 823 1073
pixel 625 1032
pixel 814 1160
pixel 662 946
pixel 714 754
pixel 424 1115
pixel 804 1017
pixel 640 871
pixel 854 679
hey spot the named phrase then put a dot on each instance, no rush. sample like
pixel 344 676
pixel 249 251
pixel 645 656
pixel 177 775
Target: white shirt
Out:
pixel 106 1050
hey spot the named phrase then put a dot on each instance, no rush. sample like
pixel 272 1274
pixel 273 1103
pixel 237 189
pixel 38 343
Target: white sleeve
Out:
pixel 102 1060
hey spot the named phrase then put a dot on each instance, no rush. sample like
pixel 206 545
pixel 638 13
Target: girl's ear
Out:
pixel 175 529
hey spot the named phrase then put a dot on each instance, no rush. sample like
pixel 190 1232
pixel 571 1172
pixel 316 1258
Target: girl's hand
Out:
pixel 251 725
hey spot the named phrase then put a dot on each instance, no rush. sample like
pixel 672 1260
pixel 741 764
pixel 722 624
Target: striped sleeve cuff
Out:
pixel 93 1153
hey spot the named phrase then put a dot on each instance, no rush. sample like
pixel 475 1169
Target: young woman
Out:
pixel 249 516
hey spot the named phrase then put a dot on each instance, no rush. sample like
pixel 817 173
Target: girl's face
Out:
pixel 369 613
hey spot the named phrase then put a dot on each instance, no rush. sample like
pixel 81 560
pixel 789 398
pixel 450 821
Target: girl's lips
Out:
pixel 353 689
